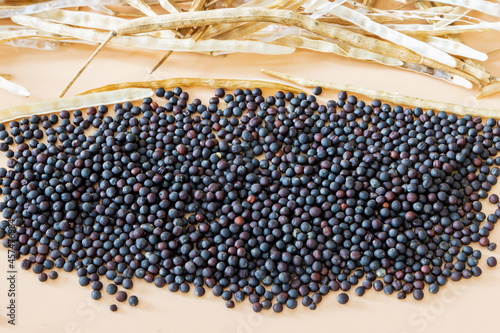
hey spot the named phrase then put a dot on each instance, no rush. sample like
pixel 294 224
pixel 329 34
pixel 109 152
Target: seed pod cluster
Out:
pixel 275 199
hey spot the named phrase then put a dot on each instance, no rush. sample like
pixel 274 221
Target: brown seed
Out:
pixel 251 199
pixel 182 149
pixel 121 296
pixel 491 261
pixel 239 220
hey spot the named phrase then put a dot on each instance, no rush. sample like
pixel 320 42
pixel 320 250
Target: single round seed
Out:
pixel 133 300
pixel 42 277
pixel 360 291
pixel 121 296
pixel 111 289
pixel 343 298
pixel 418 294
pixel 493 199
pixel 491 261
pixel 199 291
pixel 317 91
pixel 96 295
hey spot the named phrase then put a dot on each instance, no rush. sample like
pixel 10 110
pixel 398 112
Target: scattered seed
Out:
pixel 133 300
pixel 491 261
pixel 121 296
pixel 343 298
pixel 271 198
pixel 96 295
pixel 42 277
pixel 111 289
pixel 418 294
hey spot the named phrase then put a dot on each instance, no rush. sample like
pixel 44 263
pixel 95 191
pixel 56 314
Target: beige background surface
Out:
pixel 63 306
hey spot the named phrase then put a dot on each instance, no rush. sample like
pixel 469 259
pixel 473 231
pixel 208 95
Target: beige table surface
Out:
pixel 63 306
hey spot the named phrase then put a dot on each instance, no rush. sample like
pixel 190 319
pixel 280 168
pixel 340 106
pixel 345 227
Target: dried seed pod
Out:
pixel 72 103
pixel 190 82
pixel 391 97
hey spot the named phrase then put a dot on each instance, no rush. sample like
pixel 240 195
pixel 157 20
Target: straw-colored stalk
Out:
pixel 73 103
pixel 203 82
pixel 389 97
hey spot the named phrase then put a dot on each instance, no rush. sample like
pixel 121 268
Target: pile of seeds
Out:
pixel 276 199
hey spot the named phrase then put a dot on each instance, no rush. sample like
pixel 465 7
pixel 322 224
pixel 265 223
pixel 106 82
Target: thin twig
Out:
pixel 89 60
pixel 493 53
pixel 162 60
pixel 195 6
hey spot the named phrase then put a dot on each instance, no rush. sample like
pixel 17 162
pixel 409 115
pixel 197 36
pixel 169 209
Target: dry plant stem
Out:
pixel 204 32
pixel 405 4
pixel 73 103
pixel 472 66
pixel 200 33
pixel 394 98
pixel 438 74
pixel 360 54
pixel 120 14
pixel 230 31
pixel 211 3
pixel 286 17
pixel 82 19
pixel 204 82
pixel 489 89
pixel 472 62
pixel 453 47
pixel 195 6
pixel 6 36
pixel 142 7
pixel 150 42
pixel 102 9
pixel 86 20
pixel 425 29
pixel 458 12
pixel 170 6
pixel 469 61
pixel 398 38
pixel 226 3
pixel 162 60
pixel 389 17
pixel 42 6
pixel 493 53
pixel 482 6
pixel 89 60
pixel 392 15
pixel 344 50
